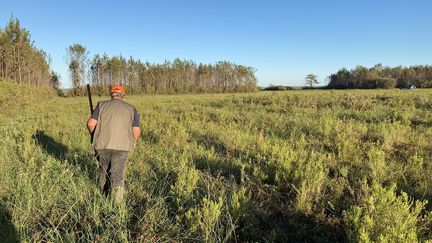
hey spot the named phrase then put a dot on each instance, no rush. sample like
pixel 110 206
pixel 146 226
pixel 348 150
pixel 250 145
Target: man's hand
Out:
pixel 136 131
pixel 91 124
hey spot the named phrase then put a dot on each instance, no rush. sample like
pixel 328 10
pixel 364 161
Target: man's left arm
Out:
pixel 91 124
pixel 92 121
pixel 136 130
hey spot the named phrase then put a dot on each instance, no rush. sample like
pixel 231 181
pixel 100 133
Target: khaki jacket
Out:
pixel 114 127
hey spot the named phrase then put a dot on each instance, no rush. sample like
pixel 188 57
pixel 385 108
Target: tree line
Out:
pixel 21 61
pixel 380 76
pixel 170 77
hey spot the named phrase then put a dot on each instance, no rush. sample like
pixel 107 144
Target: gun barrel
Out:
pixel 91 109
pixel 90 98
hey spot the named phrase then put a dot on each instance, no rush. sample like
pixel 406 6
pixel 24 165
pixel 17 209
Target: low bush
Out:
pixel 385 217
pixel 277 88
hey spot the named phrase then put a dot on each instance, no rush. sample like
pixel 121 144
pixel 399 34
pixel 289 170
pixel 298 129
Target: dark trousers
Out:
pixel 112 168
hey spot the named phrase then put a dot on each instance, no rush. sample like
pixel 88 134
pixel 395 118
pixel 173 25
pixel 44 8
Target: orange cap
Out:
pixel 118 89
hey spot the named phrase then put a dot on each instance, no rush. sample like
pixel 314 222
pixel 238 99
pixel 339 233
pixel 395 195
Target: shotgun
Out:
pixel 91 109
pixel 90 99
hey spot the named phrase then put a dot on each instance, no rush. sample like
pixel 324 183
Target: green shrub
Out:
pixel 312 177
pixel 277 88
pixel 384 217
pixel 205 219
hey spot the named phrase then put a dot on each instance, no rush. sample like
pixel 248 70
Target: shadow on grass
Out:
pixel 8 232
pixel 50 145
pixel 82 159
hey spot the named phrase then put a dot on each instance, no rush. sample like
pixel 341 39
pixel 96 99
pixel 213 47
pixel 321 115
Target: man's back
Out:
pixel 114 129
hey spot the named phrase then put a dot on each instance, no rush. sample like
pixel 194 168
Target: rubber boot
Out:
pixel 117 194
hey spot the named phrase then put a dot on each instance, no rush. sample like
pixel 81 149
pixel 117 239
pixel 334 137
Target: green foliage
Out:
pixel 379 83
pixel 384 217
pixel 311 179
pixel 55 81
pixel 204 219
pixel 182 190
pixel 268 166
pixel 311 79
pixel 20 60
pixel 277 88
pixel 379 77
pixel 178 76
pixel 76 58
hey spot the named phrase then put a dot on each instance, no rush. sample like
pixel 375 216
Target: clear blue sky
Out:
pixel 283 40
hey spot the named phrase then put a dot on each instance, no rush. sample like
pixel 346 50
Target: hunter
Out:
pixel 116 128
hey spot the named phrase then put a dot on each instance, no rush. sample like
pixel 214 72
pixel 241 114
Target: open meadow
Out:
pixel 308 166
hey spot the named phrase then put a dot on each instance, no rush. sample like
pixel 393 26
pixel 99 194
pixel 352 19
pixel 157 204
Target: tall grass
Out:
pixel 290 166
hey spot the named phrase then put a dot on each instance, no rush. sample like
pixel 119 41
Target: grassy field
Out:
pixel 290 166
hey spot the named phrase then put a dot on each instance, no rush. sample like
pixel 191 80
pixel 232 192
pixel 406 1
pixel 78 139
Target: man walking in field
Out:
pixel 116 129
